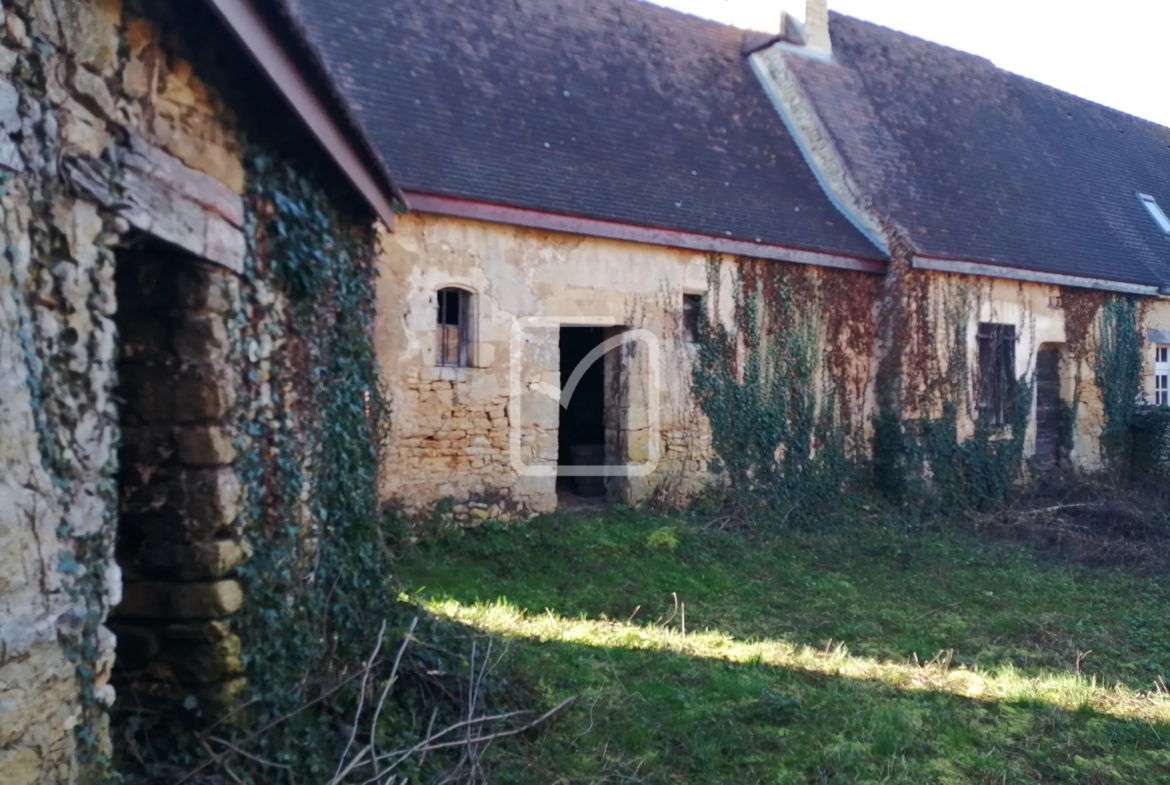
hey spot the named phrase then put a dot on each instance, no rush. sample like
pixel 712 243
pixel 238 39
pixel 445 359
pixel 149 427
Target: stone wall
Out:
pixel 1044 316
pixel 452 429
pixel 86 91
pixel 461 433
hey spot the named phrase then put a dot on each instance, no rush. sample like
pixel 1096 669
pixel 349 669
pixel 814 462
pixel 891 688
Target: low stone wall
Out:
pixel 452 441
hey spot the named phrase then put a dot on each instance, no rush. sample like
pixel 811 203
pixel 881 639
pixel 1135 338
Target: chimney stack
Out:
pixel 816 26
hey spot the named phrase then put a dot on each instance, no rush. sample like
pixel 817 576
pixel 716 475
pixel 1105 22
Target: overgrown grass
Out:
pixel 851 654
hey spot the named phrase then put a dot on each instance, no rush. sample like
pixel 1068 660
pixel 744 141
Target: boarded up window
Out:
pixel 997 372
pixel 454 327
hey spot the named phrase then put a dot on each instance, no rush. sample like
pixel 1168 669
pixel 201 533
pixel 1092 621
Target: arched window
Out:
pixel 454 323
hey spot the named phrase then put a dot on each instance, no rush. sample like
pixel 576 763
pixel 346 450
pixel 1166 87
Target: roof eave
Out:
pixel 965 267
pixel 251 29
pixel 437 204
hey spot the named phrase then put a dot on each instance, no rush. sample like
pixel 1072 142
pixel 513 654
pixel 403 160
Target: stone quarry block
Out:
pixel 201 338
pixel 144 448
pixel 221 695
pixel 161 600
pixel 199 631
pixel 150 281
pixel 197 662
pixel 207 497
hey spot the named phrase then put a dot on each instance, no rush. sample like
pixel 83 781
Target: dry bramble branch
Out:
pixel 367 765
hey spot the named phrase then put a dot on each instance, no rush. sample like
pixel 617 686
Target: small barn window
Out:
pixel 454 328
pixel 692 316
pixel 1162 376
pixel 997 372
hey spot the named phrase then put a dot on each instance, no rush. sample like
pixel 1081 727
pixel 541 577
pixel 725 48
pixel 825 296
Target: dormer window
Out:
pixel 1156 212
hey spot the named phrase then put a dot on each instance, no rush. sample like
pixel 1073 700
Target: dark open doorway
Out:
pixel 177 537
pixel 1048 410
pixel 582 421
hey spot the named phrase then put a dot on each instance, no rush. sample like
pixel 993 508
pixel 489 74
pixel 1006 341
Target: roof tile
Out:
pixel 617 110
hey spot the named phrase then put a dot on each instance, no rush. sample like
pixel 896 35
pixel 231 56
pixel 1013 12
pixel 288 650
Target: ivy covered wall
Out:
pixel 130 134
pixel 817 379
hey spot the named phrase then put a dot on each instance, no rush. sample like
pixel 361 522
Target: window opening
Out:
pixel 1156 212
pixel 692 308
pixel 454 327
pixel 1162 376
pixel 997 372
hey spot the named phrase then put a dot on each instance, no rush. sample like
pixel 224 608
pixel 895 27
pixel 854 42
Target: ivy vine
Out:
pixel 1117 369
pixel 779 422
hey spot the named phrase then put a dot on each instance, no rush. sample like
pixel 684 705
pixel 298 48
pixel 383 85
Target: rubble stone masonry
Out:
pixel 459 434
pixel 87 91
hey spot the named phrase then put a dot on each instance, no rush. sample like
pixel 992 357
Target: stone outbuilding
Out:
pixel 136 318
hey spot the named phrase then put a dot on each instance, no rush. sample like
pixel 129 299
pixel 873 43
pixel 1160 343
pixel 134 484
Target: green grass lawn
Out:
pixel 851 655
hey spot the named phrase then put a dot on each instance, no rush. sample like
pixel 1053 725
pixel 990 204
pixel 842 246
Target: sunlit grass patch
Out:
pixel 851 655
pixel 1069 691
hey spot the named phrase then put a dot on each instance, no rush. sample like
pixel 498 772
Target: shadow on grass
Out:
pixel 669 717
pixel 888 594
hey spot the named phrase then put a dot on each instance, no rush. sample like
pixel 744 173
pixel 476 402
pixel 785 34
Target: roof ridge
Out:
pixel 998 68
pixel 904 34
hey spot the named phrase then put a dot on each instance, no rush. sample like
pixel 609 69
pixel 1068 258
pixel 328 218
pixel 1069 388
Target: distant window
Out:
pixel 692 312
pixel 1156 212
pixel 997 372
pixel 1162 376
pixel 454 327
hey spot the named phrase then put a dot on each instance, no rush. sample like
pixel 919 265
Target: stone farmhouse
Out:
pixel 582 174
pixel 680 251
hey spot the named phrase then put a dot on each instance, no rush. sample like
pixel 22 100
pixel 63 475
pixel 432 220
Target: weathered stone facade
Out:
pixel 452 431
pixel 107 138
pixel 453 426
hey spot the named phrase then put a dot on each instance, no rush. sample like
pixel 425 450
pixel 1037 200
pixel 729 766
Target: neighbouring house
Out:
pixel 808 237
pixel 156 162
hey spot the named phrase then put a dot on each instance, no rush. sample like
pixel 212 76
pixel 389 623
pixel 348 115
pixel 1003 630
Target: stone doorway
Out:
pixel 178 542
pixel 582 427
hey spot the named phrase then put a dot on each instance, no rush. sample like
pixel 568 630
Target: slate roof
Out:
pixel 984 165
pixel 609 109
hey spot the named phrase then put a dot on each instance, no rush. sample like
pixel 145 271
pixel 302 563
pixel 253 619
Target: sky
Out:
pixel 1115 52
